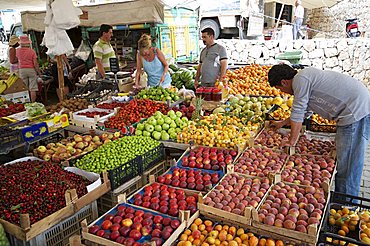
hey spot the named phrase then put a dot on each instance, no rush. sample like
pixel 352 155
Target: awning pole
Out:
pixel 277 23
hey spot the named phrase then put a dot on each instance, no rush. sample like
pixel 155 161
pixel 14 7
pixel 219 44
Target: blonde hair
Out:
pixel 145 42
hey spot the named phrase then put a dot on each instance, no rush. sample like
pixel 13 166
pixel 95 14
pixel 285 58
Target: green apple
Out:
pixel 151 120
pixel 160 121
pixel 173 135
pixel 173 125
pixel 156 135
pixel 149 128
pixel 165 136
pixel 158 128
pixel 165 126
pixel 179 114
pixel 140 127
pixel 167 120
pixel 146 134
pixel 138 132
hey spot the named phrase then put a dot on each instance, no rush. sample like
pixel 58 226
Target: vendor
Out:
pixel 152 60
pixel 103 50
pixel 28 66
pixel 213 61
pixel 13 60
pixel 334 96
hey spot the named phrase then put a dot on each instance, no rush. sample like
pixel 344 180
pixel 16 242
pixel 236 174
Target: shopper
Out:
pixel 103 50
pixel 13 60
pixel 337 97
pixel 298 20
pixel 28 65
pixel 213 61
pixel 152 60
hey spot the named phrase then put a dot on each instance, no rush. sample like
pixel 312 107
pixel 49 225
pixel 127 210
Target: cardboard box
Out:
pixel 57 122
pixel 35 131
pixel 127 87
pixel 17 97
pixel 17 86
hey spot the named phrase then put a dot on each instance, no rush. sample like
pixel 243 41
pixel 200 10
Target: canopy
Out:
pixel 309 4
pixel 140 11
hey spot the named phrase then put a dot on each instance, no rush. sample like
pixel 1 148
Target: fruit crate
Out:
pixel 91 123
pixel 59 234
pixel 189 217
pixel 152 157
pixel 157 170
pixel 312 125
pixel 310 237
pixel 125 172
pixel 244 219
pixel 338 201
pixel 110 199
pixel 126 131
pixel 207 189
pixel 90 86
pixel 9 138
pixel 102 241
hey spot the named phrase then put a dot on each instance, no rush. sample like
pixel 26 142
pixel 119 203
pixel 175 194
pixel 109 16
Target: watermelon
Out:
pixel 186 75
pixel 174 67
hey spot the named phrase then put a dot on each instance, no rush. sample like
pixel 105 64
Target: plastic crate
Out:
pixel 330 231
pixel 59 234
pixel 9 138
pixel 125 172
pixel 152 157
pixel 293 57
pixel 315 127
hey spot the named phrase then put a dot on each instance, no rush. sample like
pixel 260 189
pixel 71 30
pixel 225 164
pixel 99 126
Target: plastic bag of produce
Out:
pixel 83 51
pixel 187 94
pixel 35 109
pixel 3 239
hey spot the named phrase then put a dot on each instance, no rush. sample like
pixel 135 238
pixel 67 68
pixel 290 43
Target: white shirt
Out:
pixel 299 12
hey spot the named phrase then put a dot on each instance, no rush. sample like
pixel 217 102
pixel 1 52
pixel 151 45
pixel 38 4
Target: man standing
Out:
pixel 213 61
pixel 334 96
pixel 103 50
pixel 298 20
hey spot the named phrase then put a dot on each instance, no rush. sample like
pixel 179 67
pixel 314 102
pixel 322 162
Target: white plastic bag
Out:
pixel 185 93
pixel 66 15
pixel 83 51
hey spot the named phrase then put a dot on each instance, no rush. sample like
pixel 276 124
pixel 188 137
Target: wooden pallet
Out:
pixel 26 231
pixel 309 238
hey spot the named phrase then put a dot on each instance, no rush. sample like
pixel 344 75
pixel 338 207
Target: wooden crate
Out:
pixel 26 231
pixel 110 199
pixel 310 238
pixel 102 241
pixel 157 170
pixel 90 123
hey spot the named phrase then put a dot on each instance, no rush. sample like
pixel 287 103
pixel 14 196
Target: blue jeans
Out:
pixel 297 28
pixel 351 142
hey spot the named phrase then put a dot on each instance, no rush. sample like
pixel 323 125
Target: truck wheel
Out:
pixel 212 24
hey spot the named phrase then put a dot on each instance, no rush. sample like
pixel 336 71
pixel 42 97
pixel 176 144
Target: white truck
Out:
pixel 233 18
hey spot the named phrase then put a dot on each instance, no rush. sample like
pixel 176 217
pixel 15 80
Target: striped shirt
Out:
pixel 103 51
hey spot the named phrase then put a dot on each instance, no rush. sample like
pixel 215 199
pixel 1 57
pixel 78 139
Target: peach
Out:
pixel 301 228
pixel 288 224
pixel 291 218
pixel 269 220
pixel 312 220
pixel 278 223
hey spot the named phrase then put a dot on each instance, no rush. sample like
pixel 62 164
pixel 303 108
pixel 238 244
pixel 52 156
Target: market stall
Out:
pixel 232 182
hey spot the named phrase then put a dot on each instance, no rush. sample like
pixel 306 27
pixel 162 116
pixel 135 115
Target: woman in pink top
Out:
pixel 28 65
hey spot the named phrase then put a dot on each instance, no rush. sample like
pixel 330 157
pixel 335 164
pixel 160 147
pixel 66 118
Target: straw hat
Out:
pixel 24 39
pixel 13 40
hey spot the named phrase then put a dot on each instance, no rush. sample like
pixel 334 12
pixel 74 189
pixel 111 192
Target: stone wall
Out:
pixel 331 21
pixel 349 56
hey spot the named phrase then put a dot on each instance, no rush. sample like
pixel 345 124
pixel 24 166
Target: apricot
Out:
pixel 253 241
pixel 232 230
pixel 279 243
pixel 208 223
pixel 183 237
pixel 187 232
pixel 218 227
pixel 229 237
pixel 197 242
pixel 262 242
pixel 240 231
pixel 193 227
pixel 345 229
pixel 188 243
pixel 233 243
pixel 244 237
pixel 270 242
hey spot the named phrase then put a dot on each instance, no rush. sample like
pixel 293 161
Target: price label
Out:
pixel 114 66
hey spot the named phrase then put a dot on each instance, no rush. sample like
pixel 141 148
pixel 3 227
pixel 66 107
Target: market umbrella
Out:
pixel 61 15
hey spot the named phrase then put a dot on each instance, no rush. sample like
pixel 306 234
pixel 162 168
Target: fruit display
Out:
pixel 9 109
pixel 318 124
pixel 158 93
pixel 35 109
pixel 3 239
pixel 186 111
pixel 162 127
pixel 251 80
pixel 260 162
pixel 37 188
pixel 364 226
pixel 251 108
pixel 314 146
pixel 310 170
pixel 116 153
pixel 134 226
pixel 111 105
pixel 208 158
pixel 283 108
pixel 73 146
pixel 7 82
pixel 91 114
pixel 305 145
pixel 133 112
pixel 207 233
pixel 321 121
pixel 219 130
pixel 69 105
pixel 183 77
pixel 165 199
pixel 292 207
pixel 191 179
pixel 235 192
pixel 344 222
